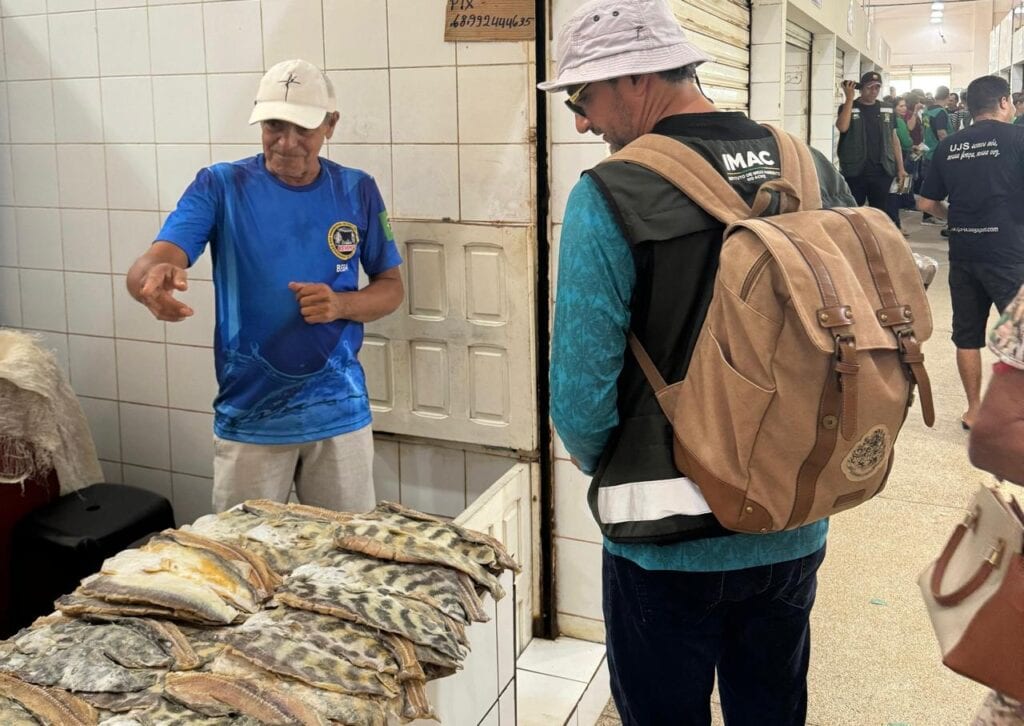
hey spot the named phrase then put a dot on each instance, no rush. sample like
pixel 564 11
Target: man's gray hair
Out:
pixel 678 75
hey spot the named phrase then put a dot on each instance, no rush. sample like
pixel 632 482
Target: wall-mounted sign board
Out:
pixel 489 20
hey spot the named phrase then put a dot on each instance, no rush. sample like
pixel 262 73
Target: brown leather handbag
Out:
pixel 975 595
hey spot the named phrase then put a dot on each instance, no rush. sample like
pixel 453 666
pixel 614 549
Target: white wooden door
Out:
pixel 720 28
pixel 456 361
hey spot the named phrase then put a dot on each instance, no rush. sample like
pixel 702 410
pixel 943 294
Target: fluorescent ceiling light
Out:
pixel 936 21
pixel 937 14
pixel 938 6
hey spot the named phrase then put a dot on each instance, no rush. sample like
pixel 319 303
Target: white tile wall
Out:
pixel 5 128
pixel 181 110
pixel 413 164
pixel 145 436
pixel 233 36
pixel 26 47
pixel 294 29
pixel 86 240
pixel 68 6
pixel 127 110
pixel 176 39
pixel 105 426
pixel 34 166
pixel 74 45
pixel 131 176
pixel 81 176
pixel 191 383
pixel 78 110
pixel 93 366
pixel 42 300
pixel 142 372
pixel 89 303
pixel 424 107
pixel 23 7
pixel 10 297
pixel 123 41
pixel 230 98
pixel 580 593
pixel 39 244
pixel 131 233
pixel 368 119
pixel 568 161
pixel 192 443
pixel 495 182
pixel 433 479
pixel 409 45
pixel 31 108
pixel 482 89
pixel 154 480
pixel 132 320
pixel 8 238
pixel 572 514
pixel 193 497
pixel 363 24
pixel 6 175
pixel 57 343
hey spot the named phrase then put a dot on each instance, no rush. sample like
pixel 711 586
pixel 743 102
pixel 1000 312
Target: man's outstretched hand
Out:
pixel 157 292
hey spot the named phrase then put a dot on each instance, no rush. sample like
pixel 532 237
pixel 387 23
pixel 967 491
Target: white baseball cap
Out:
pixel 295 91
pixel 613 38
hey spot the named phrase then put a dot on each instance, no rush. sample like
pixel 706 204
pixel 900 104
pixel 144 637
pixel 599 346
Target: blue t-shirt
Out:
pixel 282 380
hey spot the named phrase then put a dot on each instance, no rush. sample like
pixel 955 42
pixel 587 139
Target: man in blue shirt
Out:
pixel 287 230
pixel 682 597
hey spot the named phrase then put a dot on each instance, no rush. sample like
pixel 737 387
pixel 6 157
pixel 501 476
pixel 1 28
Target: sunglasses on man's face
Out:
pixel 572 103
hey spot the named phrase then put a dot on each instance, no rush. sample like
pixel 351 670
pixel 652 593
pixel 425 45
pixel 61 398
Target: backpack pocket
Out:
pixel 719 414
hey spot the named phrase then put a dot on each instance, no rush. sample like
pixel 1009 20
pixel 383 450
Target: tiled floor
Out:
pixel 557 679
pixel 874 660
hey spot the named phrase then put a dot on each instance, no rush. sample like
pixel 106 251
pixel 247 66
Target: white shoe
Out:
pixel 934 222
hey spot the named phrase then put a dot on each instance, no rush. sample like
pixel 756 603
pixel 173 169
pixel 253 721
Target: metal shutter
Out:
pixel 721 28
pixel 840 98
pixel 797 105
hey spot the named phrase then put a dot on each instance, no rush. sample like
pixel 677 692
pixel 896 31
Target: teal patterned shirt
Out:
pixel 595 283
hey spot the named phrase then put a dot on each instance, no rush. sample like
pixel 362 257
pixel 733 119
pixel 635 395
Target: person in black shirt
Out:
pixel 981 170
pixel 870 154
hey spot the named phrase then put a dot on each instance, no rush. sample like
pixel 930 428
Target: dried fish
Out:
pixel 269 508
pixel 448 590
pixel 218 695
pixel 413 619
pixel 50 706
pixel 123 645
pixel 283 542
pixel 186 599
pixel 125 702
pixel 76 604
pixel 203 567
pixel 13 713
pixel 430 526
pixel 169 713
pixel 340 708
pixel 388 541
pixel 257 572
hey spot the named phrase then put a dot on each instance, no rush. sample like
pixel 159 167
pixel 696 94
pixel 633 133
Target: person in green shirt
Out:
pixel 1018 107
pixel 905 123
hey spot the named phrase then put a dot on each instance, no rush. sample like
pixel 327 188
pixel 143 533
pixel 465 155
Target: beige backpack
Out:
pixel 805 366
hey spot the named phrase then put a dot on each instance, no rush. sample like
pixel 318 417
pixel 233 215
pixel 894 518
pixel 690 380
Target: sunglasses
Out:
pixel 572 103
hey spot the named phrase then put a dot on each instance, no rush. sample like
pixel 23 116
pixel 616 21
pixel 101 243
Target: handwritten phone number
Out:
pixel 490 21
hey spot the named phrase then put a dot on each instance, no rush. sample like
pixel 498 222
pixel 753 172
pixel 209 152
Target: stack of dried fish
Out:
pixel 267 614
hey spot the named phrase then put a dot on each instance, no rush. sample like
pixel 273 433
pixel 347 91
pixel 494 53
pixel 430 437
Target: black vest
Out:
pixel 675 247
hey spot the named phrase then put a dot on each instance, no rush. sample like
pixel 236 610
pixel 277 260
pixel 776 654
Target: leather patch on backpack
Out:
pixel 869 455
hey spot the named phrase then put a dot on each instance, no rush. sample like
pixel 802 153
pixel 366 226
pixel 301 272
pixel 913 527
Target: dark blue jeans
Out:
pixel 668 632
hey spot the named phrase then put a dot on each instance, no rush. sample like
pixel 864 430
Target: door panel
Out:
pixel 457 361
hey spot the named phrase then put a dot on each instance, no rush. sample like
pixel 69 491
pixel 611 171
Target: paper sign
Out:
pixel 489 20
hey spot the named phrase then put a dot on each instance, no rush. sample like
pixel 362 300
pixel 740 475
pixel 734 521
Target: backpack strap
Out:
pixel 689 172
pixel 893 315
pixel 797 168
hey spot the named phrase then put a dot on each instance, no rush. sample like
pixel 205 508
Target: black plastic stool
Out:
pixel 59 544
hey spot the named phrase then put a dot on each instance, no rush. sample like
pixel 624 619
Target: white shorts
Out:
pixel 335 473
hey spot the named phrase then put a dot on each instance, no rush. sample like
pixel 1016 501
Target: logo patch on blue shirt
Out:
pixel 343 238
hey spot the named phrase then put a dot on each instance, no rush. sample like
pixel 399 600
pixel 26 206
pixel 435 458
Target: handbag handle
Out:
pixel 985 569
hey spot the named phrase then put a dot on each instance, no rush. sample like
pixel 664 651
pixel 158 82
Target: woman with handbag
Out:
pixel 997 446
